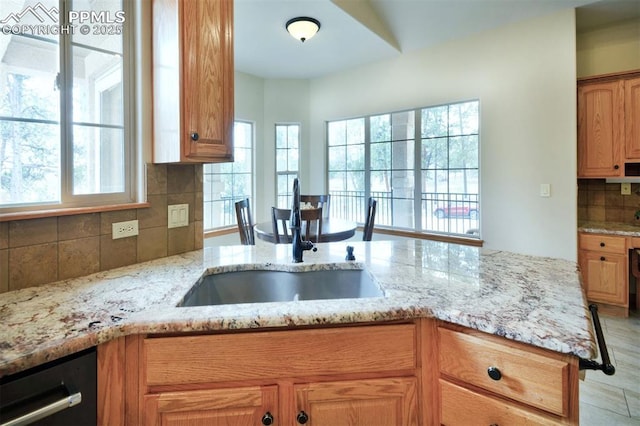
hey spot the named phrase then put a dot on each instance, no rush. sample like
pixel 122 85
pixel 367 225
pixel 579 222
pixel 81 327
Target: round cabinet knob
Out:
pixel 494 373
pixel 302 417
pixel 601 244
pixel 195 136
pixel 267 419
pixel 602 258
pixel 616 167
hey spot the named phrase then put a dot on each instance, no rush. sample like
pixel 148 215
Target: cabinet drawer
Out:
pixel 524 375
pixel 461 407
pixel 276 354
pixel 602 243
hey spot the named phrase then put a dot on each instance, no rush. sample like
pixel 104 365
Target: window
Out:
pixel 226 183
pixel 287 156
pixel 421 165
pixel 65 105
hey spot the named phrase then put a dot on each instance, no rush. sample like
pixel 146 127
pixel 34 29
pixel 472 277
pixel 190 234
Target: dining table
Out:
pixel 332 230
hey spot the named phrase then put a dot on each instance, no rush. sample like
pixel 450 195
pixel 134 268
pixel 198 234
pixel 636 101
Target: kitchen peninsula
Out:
pixel 446 308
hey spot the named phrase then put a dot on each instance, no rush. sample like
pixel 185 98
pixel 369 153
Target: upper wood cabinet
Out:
pixel 600 129
pixel 632 117
pixel 192 81
pixel 608 129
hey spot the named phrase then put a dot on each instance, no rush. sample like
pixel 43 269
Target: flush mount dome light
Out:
pixel 303 28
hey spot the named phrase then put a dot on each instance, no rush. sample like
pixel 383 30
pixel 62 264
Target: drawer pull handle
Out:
pixel 494 373
pixel 302 417
pixel 601 244
pixel 602 258
pixel 267 419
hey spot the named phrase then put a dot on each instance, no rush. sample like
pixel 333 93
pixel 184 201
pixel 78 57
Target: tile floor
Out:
pixel 604 400
pixel 615 400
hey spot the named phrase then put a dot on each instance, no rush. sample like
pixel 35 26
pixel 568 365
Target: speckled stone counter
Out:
pixel 533 300
pixel 611 228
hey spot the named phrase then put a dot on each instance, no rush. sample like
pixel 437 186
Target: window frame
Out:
pixel 287 196
pixel 417 139
pixel 252 197
pixel 69 202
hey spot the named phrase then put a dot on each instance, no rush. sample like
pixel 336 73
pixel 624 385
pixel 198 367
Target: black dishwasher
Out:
pixel 61 392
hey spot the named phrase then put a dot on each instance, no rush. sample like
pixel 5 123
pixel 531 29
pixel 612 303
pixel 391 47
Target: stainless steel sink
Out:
pixel 259 286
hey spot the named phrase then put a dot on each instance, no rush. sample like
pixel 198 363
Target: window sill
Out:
pixel 6 217
pixel 475 242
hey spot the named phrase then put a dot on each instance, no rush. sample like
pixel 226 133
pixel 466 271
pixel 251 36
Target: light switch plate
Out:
pixel 625 188
pixel 178 215
pixel 545 190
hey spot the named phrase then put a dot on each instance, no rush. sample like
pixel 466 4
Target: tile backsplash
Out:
pixel 601 201
pixel 39 251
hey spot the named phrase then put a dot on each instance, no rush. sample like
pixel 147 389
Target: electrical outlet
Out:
pixel 625 188
pixel 124 229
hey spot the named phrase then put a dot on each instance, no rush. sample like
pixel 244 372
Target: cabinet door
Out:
pixel 391 401
pixel 601 129
pixel 207 70
pixel 632 117
pixel 217 407
pixel 605 277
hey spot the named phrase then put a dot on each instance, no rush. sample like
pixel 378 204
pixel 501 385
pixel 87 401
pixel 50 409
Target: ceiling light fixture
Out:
pixel 303 28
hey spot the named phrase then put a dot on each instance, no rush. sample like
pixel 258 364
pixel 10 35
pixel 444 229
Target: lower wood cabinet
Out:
pixel 486 380
pixel 424 372
pixel 232 406
pixel 604 264
pixel 390 401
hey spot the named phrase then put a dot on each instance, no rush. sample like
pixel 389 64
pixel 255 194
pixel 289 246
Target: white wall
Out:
pixel 525 78
pixel 612 49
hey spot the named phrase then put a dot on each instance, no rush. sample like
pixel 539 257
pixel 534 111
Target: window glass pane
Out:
pixel 337 133
pixel 293 160
pixel 355 131
pixel 380 128
pixel 355 181
pixel 104 24
pixel 226 183
pixel 403 124
pixel 463 118
pixel 355 157
pixel 380 156
pixel 242 135
pixel 337 157
pixel 281 160
pixel 281 136
pixel 98 160
pixel 97 88
pixel 293 136
pixel 29 163
pixel 435 121
pixel 463 151
pixel 402 154
pixel 337 181
pixel 434 153
pixel 242 160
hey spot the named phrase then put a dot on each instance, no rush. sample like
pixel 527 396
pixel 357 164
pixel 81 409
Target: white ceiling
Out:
pixel 374 30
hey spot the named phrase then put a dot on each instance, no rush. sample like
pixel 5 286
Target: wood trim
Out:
pixel 111 383
pixel 7 217
pixel 428 372
pixel 475 242
pixel 221 231
pixel 134 373
pixel 610 76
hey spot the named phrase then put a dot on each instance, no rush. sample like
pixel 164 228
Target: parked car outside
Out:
pixel 456 210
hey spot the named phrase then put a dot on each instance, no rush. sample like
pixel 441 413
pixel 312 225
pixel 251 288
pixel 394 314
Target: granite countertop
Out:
pixel 611 228
pixel 534 300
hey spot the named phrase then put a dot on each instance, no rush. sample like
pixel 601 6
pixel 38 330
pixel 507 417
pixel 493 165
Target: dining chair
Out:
pixel 308 216
pixel 318 201
pixel 281 216
pixel 245 223
pixel 367 232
